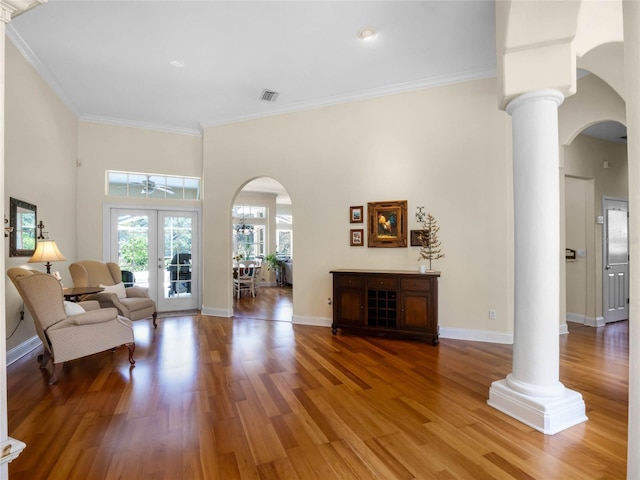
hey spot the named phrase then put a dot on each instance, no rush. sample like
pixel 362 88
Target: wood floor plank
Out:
pixel 255 397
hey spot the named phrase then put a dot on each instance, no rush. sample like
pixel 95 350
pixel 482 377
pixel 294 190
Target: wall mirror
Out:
pixel 22 240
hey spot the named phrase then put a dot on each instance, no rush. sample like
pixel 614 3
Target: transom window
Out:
pixel 152 185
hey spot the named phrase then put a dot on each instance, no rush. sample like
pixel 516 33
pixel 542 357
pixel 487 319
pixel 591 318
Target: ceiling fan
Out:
pixel 149 186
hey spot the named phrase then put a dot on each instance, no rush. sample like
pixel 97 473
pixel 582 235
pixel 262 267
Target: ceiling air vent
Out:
pixel 269 96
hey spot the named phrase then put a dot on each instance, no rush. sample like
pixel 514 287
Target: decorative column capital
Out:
pixel 12 8
pixel 548 94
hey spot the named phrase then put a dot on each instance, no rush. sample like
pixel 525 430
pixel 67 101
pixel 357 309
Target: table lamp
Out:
pixel 47 251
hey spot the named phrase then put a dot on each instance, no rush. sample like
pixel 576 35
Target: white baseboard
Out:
pixel 21 350
pixel 315 321
pixel 584 320
pixel 476 335
pixel 217 312
pixel 564 330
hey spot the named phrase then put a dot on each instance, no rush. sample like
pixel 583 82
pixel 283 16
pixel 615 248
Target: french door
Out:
pixel 161 249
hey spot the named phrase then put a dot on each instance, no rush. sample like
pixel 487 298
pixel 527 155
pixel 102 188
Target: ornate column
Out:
pixel 532 393
pixel 9 447
pixel 631 17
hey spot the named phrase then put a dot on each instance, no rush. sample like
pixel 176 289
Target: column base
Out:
pixel 548 415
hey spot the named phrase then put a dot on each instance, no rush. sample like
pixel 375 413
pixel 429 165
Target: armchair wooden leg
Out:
pixel 132 348
pixel 44 358
pixel 55 375
pixel 155 317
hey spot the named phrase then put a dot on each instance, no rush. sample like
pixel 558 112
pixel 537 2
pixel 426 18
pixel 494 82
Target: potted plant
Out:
pixel 274 264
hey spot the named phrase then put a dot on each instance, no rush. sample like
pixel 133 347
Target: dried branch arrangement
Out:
pixel 431 247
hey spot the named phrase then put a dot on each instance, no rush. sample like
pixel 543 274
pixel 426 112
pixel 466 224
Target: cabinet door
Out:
pixel 348 300
pixel 348 306
pixel 418 312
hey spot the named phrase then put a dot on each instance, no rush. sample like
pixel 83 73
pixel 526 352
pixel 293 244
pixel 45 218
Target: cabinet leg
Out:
pixel 334 330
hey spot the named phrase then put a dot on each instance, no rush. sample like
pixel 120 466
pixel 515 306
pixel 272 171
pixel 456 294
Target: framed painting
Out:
pixel 356 215
pixel 356 238
pixel 387 224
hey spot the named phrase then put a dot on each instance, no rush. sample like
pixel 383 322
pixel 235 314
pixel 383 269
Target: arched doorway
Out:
pixel 595 193
pixel 262 237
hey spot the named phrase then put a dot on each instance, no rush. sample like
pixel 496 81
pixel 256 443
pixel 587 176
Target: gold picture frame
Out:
pixel 387 224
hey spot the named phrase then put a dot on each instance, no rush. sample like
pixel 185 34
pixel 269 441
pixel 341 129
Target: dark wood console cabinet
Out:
pixel 386 302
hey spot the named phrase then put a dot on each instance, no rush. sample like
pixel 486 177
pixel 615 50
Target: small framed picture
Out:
pixel 355 214
pixel 416 238
pixel 356 237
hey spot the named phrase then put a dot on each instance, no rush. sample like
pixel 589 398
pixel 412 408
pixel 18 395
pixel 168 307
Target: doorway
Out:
pixel 160 248
pixel 262 233
pixel 615 254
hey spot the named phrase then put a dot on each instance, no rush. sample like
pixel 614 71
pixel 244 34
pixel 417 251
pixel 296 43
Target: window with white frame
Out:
pixel 284 235
pixel 151 185
pixel 249 232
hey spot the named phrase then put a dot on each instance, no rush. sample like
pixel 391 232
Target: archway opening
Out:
pixel 262 251
pixel 595 174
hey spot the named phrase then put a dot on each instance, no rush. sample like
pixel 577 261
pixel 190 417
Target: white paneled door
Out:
pixel 160 249
pixel 615 279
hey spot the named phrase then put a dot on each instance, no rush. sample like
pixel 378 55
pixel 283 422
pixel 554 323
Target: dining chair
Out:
pixel 244 280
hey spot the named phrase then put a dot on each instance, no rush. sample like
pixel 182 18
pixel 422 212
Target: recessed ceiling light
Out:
pixel 366 33
pixel 176 63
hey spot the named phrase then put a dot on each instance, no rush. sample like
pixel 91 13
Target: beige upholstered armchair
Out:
pixel 67 336
pixel 133 302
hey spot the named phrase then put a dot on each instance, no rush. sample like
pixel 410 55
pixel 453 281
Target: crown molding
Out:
pixel 39 67
pixel 51 81
pixel 431 82
pixel 17 7
pixel 196 132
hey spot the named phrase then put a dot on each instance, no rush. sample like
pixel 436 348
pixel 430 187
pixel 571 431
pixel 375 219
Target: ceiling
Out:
pixel 114 61
pixel 110 61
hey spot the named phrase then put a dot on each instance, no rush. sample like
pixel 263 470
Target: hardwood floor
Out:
pixel 220 398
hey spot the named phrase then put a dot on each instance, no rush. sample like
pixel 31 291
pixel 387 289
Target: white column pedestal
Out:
pixel 548 415
pixel 532 393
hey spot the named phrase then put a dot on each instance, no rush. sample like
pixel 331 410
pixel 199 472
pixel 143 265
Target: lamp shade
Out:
pixel 47 251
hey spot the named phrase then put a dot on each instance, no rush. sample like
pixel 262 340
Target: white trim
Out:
pixel 217 312
pixel 564 329
pixel 13 447
pixel 39 67
pixel 364 95
pixel 16 353
pixel 584 320
pixel 477 335
pixel 313 321
pixel 196 132
pixel 548 415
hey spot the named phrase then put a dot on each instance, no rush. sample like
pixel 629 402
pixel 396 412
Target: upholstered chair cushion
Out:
pixel 71 308
pixel 118 289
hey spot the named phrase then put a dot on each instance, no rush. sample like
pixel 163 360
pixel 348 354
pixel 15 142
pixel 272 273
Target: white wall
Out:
pixel 40 156
pixel 108 147
pixel 445 148
pixel 578 197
